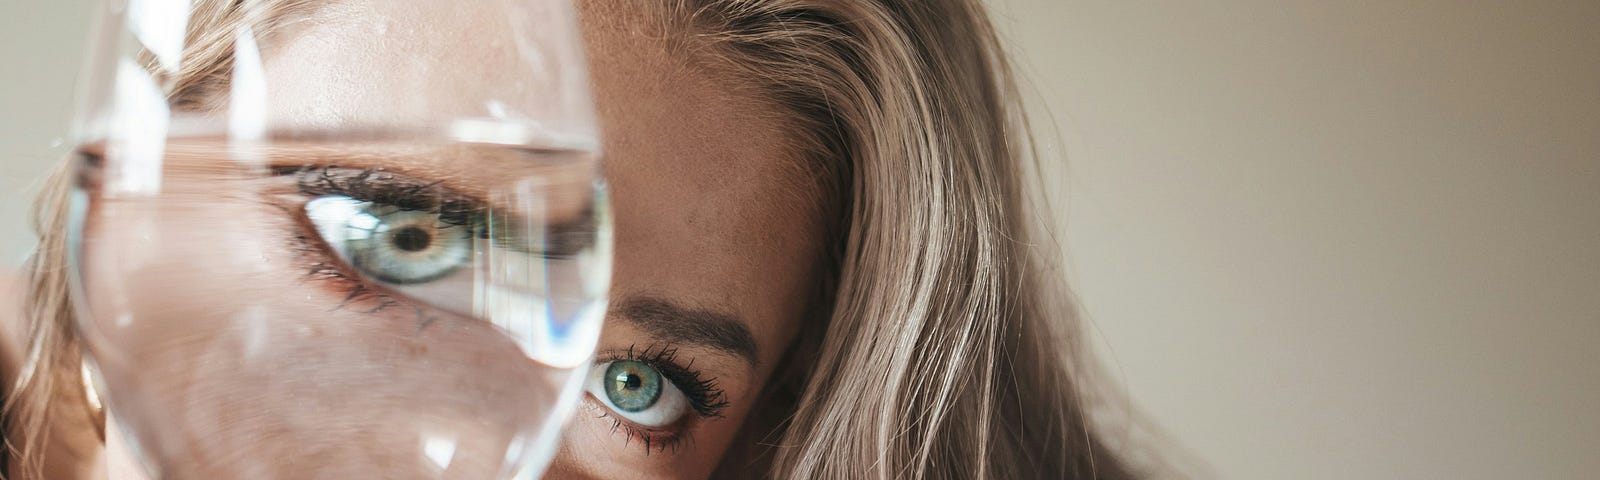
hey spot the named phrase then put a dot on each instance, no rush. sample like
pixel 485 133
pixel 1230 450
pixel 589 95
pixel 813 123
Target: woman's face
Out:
pixel 715 253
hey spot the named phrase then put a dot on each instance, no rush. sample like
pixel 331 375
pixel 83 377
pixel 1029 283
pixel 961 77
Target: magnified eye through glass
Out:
pixel 297 257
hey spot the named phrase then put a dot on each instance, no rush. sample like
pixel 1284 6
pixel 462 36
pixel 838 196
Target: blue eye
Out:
pixel 638 393
pixel 632 386
pixel 388 243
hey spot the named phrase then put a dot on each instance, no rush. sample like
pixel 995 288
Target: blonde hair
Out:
pixel 949 349
pixel 45 394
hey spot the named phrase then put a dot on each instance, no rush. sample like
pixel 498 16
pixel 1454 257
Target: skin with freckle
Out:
pixel 694 181
pixel 829 257
pixel 695 170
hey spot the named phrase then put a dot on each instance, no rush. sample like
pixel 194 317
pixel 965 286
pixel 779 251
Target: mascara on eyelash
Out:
pixel 378 185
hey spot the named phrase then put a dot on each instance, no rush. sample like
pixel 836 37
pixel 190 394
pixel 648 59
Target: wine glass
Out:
pixel 345 239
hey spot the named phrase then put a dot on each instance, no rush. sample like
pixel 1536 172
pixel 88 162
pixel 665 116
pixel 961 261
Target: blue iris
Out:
pixel 632 386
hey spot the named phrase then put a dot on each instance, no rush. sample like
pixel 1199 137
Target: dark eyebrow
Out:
pixel 670 322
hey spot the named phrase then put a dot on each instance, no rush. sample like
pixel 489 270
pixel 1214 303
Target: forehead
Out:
pixel 713 201
pixel 413 64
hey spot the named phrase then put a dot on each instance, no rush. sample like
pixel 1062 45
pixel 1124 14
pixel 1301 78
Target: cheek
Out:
pixel 592 449
pixel 219 352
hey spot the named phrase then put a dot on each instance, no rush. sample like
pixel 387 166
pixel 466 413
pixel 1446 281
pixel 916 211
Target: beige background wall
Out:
pixel 1318 240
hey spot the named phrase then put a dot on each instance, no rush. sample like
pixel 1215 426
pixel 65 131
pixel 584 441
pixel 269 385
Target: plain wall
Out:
pixel 1317 240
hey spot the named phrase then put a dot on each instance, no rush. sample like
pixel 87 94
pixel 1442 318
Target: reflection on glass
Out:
pixel 297 257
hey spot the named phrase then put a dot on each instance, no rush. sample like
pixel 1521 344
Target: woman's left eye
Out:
pixel 638 393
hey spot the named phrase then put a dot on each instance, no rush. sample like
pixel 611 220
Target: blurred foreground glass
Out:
pixel 352 239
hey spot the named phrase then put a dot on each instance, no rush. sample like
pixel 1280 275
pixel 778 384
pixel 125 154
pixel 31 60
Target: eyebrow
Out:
pixel 673 323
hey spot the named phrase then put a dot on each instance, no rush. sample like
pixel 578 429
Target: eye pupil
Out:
pixel 412 239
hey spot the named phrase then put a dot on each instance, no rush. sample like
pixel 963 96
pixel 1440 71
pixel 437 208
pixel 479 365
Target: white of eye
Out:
pixel 388 243
pixel 368 237
pixel 669 407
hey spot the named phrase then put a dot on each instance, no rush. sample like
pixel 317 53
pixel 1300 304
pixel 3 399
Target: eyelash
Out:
pixel 705 397
pixel 378 185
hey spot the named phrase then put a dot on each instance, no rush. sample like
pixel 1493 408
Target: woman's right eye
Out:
pixel 395 236
pixel 389 244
